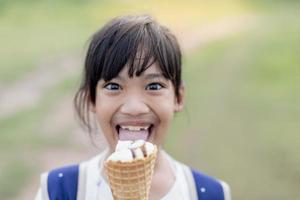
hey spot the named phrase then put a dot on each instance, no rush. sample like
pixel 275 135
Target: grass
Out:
pixel 241 120
pixel 35 35
pixel 37 31
pixel 22 139
pixel 14 174
pixel 244 110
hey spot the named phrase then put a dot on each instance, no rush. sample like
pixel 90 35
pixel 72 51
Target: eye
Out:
pixel 112 86
pixel 154 86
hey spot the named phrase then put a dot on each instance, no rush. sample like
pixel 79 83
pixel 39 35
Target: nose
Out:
pixel 134 106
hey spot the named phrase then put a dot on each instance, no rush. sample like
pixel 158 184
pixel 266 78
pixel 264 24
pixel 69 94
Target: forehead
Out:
pixel 152 69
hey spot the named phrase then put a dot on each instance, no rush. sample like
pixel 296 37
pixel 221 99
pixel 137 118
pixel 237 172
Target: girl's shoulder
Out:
pixel 206 186
pixel 68 181
pixel 209 187
pixel 71 180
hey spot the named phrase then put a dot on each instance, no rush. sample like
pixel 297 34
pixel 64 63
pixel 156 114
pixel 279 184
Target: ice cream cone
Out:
pixel 131 179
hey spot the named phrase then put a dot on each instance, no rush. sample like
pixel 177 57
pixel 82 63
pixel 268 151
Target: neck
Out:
pixel 163 178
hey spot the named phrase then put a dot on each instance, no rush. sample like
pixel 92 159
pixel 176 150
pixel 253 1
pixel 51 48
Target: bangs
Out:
pixel 135 42
pixel 133 49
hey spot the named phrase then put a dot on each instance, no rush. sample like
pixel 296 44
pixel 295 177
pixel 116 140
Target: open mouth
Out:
pixel 134 132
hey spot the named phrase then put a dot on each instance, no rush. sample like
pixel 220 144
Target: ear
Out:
pixel 180 99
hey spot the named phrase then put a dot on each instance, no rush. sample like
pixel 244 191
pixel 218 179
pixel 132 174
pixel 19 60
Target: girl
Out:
pixel 132 84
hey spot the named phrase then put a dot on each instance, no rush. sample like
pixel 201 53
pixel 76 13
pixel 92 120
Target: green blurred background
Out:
pixel 241 67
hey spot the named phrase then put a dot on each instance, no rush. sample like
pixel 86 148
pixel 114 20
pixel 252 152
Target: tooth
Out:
pixel 135 128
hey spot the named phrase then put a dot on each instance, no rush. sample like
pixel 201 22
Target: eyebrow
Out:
pixel 149 76
pixel 154 76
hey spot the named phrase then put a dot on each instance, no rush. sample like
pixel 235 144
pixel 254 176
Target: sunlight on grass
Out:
pixel 242 110
pixel 37 31
pixel 14 175
pixel 21 135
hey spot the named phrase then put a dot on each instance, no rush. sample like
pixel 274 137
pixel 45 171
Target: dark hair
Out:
pixel 122 41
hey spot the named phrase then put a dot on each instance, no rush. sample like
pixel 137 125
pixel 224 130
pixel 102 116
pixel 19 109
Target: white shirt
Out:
pixel 95 186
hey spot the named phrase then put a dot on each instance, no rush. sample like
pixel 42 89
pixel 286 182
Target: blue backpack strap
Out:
pixel 62 183
pixel 207 187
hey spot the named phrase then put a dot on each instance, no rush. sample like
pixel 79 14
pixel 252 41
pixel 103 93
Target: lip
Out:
pixel 150 120
pixel 133 122
pixel 151 128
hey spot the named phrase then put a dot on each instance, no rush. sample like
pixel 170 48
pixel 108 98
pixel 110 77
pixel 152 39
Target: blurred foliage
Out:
pixel 244 108
pixel 241 120
pixel 52 28
pixel 15 174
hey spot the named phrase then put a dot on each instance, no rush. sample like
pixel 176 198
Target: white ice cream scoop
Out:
pixel 131 150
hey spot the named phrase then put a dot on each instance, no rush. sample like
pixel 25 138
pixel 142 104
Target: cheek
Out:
pixel 104 109
pixel 165 109
pixel 165 122
pixel 104 112
pixel 165 113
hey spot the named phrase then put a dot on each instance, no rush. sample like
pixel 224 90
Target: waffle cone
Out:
pixel 131 180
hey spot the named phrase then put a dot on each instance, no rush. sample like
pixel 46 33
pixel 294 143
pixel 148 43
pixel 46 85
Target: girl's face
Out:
pixel 136 108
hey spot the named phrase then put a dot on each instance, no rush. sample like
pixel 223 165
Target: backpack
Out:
pixel 62 184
